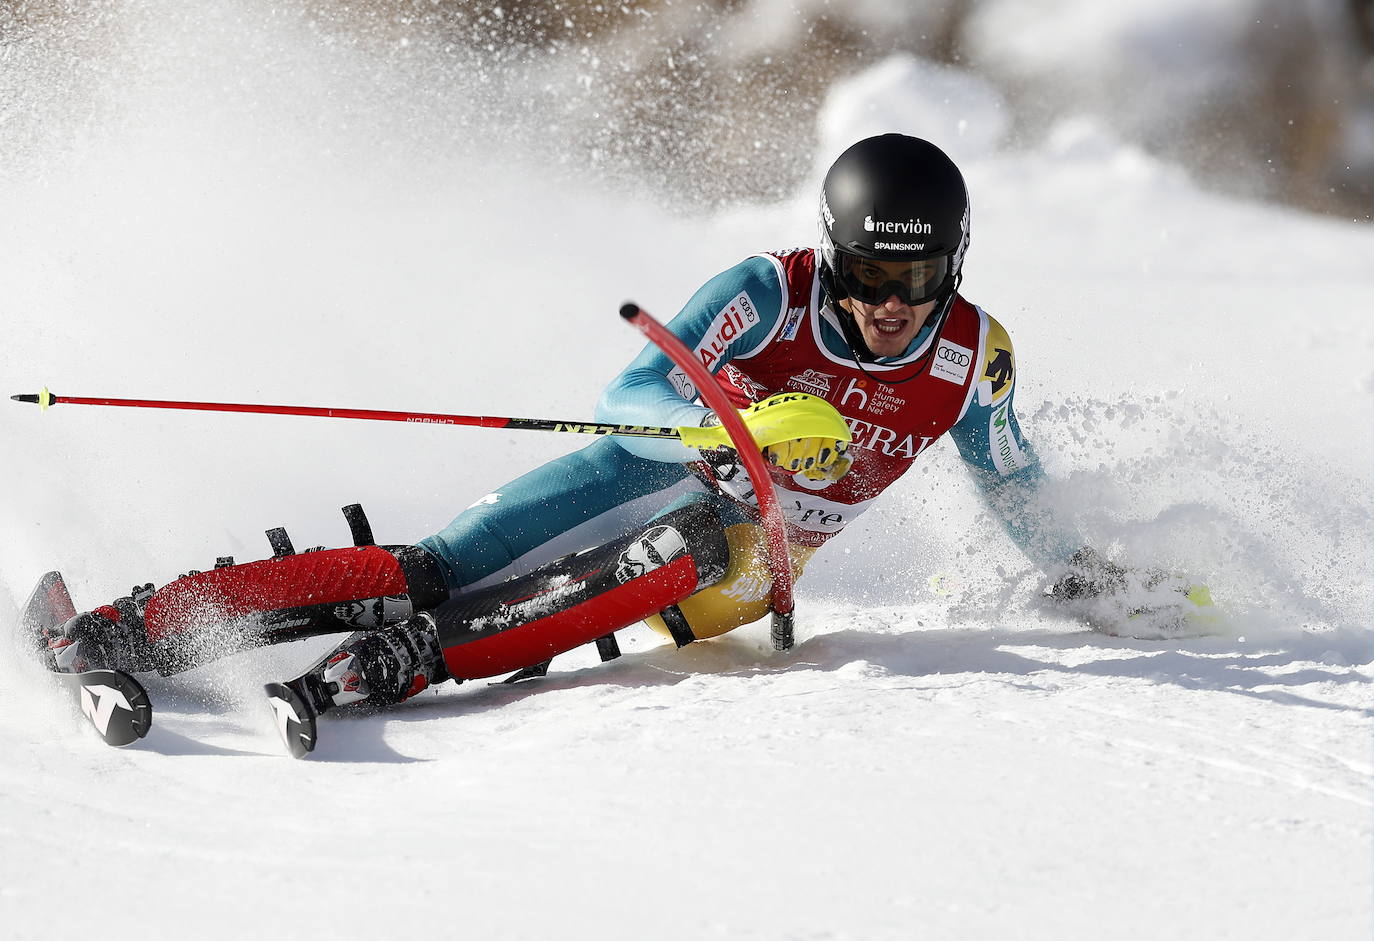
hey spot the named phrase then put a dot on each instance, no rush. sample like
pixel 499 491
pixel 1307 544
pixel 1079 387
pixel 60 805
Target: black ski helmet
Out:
pixel 893 198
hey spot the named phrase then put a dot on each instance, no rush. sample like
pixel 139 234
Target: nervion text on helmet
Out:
pixel 910 227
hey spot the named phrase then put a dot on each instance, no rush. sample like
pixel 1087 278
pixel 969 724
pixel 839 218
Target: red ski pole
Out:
pixel 774 527
pixel 46 399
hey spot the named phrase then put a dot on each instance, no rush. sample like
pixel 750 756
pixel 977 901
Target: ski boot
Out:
pixel 382 667
pixel 89 652
pixel 112 637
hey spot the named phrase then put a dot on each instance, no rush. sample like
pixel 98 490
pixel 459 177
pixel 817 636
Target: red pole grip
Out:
pixel 770 510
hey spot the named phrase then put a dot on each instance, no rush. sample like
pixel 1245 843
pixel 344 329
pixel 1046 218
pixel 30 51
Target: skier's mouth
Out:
pixel 889 326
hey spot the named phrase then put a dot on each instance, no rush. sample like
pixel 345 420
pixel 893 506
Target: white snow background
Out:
pixel 259 217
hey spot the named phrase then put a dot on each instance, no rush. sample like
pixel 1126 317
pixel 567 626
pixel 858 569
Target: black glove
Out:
pixel 1089 576
pixel 723 462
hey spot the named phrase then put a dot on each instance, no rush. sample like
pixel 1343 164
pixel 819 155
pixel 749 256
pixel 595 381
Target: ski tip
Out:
pixel 295 720
pixel 48 605
pixel 142 719
pixel 116 704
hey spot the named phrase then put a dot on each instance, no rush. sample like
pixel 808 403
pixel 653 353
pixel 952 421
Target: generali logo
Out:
pixel 875 437
pixel 817 383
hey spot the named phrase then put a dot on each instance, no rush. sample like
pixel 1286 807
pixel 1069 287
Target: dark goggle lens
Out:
pixel 873 281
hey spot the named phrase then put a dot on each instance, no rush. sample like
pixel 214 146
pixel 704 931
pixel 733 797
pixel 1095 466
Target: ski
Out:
pixel 1167 612
pixel 295 718
pixel 1189 613
pixel 115 703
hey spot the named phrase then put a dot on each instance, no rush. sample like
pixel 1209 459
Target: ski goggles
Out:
pixel 873 281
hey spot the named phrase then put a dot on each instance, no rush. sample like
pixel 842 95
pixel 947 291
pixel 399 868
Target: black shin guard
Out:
pixel 582 597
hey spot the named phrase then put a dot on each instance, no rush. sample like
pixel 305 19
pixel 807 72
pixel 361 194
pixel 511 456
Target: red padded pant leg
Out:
pixel 326 577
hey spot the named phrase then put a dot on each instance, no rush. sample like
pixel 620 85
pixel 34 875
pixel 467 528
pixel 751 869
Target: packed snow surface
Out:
pixel 939 756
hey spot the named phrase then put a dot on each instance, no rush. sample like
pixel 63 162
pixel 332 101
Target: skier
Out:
pixel 863 347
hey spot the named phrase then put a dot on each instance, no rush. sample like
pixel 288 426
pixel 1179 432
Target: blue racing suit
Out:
pixel 766 307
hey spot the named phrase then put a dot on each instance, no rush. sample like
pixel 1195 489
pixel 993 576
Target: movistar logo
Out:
pixel 911 226
pixel 999 419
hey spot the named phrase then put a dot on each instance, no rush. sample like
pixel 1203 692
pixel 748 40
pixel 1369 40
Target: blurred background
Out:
pixel 712 101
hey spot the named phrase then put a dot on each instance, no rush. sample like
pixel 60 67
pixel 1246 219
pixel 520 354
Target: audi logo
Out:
pixel 953 356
